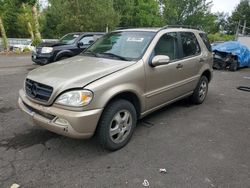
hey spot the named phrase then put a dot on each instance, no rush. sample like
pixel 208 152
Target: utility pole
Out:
pixel 244 28
pixel 107 28
pixel 237 31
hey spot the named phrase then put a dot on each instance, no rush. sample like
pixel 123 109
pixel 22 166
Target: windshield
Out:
pixel 126 45
pixel 69 38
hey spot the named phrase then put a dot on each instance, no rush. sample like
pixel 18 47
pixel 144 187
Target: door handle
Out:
pixel 179 66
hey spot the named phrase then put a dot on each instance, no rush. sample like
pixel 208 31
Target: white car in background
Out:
pixel 23 46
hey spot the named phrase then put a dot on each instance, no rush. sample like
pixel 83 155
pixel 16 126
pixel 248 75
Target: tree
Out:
pixel 9 17
pixel 189 12
pixel 25 20
pixel 12 10
pixel 37 35
pixel 2 28
pixel 62 17
pixel 221 22
pixel 28 21
pixel 138 13
pixel 240 14
pixel 3 33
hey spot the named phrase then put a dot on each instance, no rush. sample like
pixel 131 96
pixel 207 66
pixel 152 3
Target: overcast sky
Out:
pixel 224 5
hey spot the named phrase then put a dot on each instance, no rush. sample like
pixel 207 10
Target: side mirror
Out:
pixel 80 44
pixel 160 60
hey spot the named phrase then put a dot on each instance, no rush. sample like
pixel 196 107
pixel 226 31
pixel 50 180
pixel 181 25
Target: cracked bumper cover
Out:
pixel 79 124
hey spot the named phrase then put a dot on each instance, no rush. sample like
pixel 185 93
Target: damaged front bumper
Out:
pixel 72 124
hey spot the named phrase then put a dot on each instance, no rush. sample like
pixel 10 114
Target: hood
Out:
pixel 76 72
pixel 50 44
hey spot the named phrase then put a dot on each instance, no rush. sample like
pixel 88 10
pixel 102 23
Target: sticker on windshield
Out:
pixel 135 39
pixel 75 36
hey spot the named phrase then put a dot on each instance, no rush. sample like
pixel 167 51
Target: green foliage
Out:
pixel 9 15
pixel 241 13
pixel 26 49
pixel 221 23
pixel 62 16
pixel 17 51
pixel 3 34
pixel 2 27
pixel 220 37
pixel 24 18
pixel 78 15
pixel 138 13
pixel 11 11
pixel 36 41
pixel 189 12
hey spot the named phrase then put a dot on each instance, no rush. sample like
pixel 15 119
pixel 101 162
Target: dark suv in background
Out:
pixel 68 46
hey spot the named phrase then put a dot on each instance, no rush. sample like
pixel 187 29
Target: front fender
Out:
pixel 130 79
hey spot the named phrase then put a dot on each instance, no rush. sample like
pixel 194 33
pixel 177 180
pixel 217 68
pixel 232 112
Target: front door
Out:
pixel 161 80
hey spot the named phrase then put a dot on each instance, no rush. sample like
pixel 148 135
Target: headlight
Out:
pixel 46 50
pixel 75 98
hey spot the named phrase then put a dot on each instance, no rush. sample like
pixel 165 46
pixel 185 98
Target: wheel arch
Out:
pixel 129 96
pixel 61 54
pixel 208 74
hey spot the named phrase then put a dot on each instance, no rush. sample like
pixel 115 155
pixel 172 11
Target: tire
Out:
pixel 234 66
pixel 117 125
pixel 200 91
pixel 217 65
pixel 62 58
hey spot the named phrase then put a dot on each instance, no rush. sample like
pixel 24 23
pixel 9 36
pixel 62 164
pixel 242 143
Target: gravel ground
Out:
pixel 199 146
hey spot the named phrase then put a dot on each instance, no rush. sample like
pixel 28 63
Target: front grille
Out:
pixel 46 115
pixel 37 90
pixel 38 50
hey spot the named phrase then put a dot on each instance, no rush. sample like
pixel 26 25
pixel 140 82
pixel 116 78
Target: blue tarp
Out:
pixel 237 49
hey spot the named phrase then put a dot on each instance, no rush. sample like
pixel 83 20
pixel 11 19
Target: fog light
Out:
pixel 61 122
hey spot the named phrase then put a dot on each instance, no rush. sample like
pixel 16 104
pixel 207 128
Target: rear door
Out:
pixel 190 61
pixel 208 56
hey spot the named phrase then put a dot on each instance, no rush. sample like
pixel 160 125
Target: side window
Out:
pixel 189 44
pixel 206 41
pixel 87 40
pixel 167 45
pixel 97 37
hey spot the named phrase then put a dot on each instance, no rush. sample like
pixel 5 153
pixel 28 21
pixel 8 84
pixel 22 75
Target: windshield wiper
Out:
pixel 91 52
pixel 114 55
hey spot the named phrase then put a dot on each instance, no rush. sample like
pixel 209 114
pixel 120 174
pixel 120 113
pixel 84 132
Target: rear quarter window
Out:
pixel 206 41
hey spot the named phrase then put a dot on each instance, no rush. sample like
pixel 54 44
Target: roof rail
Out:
pixel 121 28
pixel 182 26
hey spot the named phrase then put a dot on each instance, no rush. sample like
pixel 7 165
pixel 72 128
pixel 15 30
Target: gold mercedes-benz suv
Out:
pixel 122 77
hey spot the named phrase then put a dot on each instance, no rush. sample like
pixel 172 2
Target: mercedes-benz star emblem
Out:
pixel 34 90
